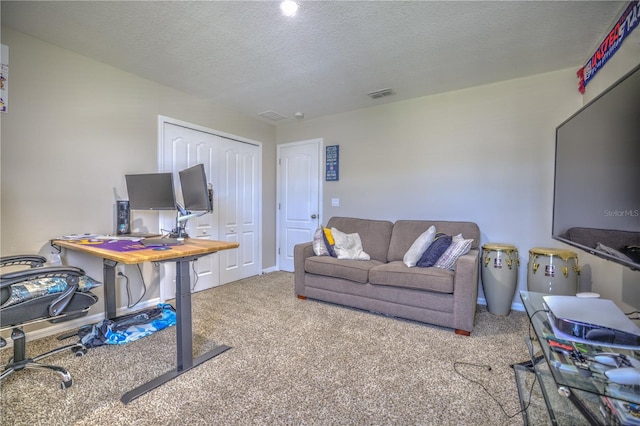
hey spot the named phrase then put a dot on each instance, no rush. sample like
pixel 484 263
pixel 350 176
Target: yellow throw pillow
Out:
pixel 327 234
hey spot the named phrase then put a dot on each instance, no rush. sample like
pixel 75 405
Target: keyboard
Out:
pixel 124 237
pixel 159 242
pixel 141 235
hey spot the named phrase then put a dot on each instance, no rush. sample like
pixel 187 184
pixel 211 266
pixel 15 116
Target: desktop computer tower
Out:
pixel 123 217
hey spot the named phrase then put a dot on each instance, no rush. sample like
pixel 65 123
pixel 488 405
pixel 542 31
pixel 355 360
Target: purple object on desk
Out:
pixel 114 245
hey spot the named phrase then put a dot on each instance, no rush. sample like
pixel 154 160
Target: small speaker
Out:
pixel 123 217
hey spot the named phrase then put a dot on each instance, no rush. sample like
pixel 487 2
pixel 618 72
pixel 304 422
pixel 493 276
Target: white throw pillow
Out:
pixel 419 246
pixel 319 247
pixel 613 252
pixel 458 247
pixel 348 246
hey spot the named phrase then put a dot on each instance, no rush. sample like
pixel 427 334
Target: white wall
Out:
pixel 74 128
pixel 484 154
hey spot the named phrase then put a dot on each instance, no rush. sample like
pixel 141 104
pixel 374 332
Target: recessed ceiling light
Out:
pixel 289 7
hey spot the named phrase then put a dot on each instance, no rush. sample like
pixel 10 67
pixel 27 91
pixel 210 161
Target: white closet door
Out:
pixel 183 148
pixel 234 168
pixel 239 201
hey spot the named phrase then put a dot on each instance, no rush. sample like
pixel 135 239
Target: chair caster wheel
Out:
pixel 66 384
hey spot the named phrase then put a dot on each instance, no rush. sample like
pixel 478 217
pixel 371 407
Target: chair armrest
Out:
pixel 300 253
pixel 31 260
pixel 465 290
pixel 71 273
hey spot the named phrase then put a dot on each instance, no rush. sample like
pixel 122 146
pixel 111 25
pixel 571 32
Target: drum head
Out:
pixel 499 247
pixel 563 254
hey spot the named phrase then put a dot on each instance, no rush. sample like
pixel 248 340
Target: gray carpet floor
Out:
pixel 292 362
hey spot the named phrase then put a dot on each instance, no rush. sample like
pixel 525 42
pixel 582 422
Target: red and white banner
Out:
pixel 627 22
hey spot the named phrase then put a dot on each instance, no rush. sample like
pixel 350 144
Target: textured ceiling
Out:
pixel 248 57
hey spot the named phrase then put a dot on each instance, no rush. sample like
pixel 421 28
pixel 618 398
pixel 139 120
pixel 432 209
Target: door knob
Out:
pixel 313 216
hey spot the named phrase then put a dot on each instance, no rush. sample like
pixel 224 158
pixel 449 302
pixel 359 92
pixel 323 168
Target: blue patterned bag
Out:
pixel 130 327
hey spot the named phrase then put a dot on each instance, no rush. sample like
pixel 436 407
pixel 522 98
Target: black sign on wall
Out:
pixel 332 157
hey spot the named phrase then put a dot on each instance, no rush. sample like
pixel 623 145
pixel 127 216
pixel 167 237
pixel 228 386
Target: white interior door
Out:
pixel 299 195
pixel 239 210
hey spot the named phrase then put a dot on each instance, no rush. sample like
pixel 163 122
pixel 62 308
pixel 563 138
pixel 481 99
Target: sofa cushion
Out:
pixel 397 274
pixel 405 233
pixel 375 234
pixel 353 270
pixel 348 246
pixel 434 251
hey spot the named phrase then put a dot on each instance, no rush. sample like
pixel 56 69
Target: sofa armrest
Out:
pixel 300 253
pixel 465 290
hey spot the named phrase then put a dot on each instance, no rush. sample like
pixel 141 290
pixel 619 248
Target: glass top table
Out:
pixel 572 365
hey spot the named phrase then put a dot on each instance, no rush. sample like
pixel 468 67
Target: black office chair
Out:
pixel 70 303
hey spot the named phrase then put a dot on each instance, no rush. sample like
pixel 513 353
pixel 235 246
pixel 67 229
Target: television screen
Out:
pixel 151 191
pixel 195 191
pixel 597 175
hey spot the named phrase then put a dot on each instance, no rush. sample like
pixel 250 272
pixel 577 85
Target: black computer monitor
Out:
pixel 151 191
pixel 195 191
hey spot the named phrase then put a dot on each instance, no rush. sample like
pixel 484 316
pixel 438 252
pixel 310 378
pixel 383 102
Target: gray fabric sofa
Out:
pixel 385 284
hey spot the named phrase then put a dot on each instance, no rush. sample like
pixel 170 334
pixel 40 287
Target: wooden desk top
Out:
pixel 191 247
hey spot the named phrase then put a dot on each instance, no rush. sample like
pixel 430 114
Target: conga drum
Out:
pixel 499 276
pixel 553 271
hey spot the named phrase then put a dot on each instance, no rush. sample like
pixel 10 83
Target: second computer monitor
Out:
pixel 151 191
pixel 195 191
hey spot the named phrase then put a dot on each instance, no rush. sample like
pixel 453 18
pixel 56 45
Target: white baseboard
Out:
pixel 269 270
pixel 53 329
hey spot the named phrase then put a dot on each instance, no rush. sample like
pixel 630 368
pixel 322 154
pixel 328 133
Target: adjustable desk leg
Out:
pixel 109 276
pixel 184 336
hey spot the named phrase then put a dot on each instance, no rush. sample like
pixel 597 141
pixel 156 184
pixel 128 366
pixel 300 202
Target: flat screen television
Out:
pixel 151 191
pixel 596 201
pixel 195 191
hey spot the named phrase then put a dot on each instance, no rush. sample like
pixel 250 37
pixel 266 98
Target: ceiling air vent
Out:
pixel 381 93
pixel 272 115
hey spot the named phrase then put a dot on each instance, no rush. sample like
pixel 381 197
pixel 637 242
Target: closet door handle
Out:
pixel 314 216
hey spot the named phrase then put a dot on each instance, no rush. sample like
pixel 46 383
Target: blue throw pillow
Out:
pixel 434 251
